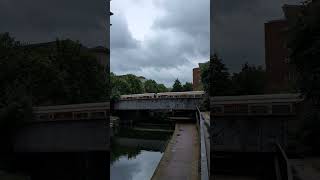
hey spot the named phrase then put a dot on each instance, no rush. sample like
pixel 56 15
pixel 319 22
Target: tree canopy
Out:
pixel 218 82
pixel 132 84
pixel 61 72
pixel 177 87
pixel 304 47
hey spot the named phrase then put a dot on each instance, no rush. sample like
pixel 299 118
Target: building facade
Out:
pixel 281 74
pixel 197 85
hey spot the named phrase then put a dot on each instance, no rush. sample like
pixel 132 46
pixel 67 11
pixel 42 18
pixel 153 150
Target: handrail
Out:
pixel 284 165
pixel 203 150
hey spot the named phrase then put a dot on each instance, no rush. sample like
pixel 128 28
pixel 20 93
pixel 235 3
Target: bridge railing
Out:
pixel 283 168
pixel 72 112
pixel 204 167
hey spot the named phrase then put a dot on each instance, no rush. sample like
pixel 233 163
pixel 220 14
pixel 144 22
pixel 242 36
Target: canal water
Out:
pixel 135 154
pixel 139 166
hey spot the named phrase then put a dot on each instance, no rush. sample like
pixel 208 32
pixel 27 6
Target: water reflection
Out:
pixel 138 167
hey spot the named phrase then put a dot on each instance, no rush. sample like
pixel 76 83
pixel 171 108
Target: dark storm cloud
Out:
pixel 178 41
pixel 45 20
pixel 237 31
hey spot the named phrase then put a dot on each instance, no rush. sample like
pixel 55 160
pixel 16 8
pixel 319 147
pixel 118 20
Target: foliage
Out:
pixel 304 46
pixel 205 75
pixel 177 87
pixel 131 84
pixel 135 84
pixel 126 84
pixel 150 86
pixel 220 82
pixel 63 72
pixel 162 88
pixel 251 80
pixel 187 86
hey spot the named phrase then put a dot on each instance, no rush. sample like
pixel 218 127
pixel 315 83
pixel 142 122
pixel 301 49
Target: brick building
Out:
pixel 196 85
pixel 281 75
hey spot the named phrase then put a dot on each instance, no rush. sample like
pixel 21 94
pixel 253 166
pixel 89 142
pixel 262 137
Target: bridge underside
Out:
pixel 158 104
pixel 63 136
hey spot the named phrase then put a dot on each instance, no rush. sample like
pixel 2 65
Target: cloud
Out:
pixel 237 29
pixel 46 20
pixel 169 47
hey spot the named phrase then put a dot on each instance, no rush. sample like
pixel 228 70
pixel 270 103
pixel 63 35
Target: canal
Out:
pixel 137 151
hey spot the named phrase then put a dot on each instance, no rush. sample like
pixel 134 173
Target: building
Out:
pixel 281 74
pixel 196 74
pixel 196 85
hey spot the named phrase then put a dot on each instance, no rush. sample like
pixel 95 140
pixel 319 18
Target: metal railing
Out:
pixel 283 169
pixel 204 168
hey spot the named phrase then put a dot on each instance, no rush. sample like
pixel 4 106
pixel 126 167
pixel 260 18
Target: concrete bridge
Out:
pixel 160 101
pixel 65 128
pixel 252 123
pixel 252 133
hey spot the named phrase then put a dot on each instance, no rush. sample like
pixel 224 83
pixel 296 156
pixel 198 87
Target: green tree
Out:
pixel 151 86
pixel 219 78
pixel 187 86
pixel 304 46
pixel 205 76
pixel 162 88
pixel 177 87
pixel 63 72
pixel 251 80
pixel 136 86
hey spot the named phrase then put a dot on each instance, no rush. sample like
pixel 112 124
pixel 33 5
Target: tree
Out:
pixel 219 78
pixel 62 72
pixel 136 86
pixel 177 87
pixel 187 86
pixel 251 80
pixel 151 86
pixel 304 47
pixel 205 76
pixel 162 88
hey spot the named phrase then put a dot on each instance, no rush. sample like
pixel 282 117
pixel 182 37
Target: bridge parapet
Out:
pixel 66 128
pixel 252 123
pixel 255 105
pixel 72 112
pixel 159 104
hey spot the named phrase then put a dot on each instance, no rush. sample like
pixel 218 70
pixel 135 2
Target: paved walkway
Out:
pixel 181 158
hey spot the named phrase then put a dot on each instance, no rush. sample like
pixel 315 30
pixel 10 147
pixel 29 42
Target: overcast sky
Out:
pixel 159 39
pixel 237 29
pixel 37 21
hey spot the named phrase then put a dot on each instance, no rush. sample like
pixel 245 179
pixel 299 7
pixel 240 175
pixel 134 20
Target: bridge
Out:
pixel 65 128
pixel 85 127
pixel 249 135
pixel 160 101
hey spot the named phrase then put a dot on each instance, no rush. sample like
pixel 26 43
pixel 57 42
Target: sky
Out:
pixel 36 21
pixel 159 39
pixel 237 29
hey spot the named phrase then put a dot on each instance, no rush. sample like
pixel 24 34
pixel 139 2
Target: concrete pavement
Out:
pixel 181 158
